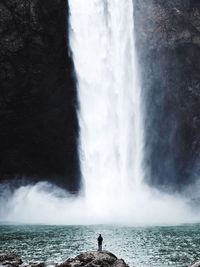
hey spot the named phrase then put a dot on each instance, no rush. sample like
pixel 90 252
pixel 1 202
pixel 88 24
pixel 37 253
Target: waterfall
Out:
pixel 110 117
pixel 111 133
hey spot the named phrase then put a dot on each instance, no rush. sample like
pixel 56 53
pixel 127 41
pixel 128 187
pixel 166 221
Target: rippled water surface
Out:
pixel 152 246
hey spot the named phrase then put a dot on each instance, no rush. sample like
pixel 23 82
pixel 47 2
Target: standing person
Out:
pixel 100 241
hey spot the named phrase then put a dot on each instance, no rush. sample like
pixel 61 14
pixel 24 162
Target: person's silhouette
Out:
pixel 100 241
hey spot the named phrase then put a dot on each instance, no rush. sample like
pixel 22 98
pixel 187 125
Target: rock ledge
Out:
pixel 94 259
pixel 87 259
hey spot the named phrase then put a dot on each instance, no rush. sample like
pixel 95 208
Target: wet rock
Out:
pixel 94 259
pixel 168 46
pixel 119 263
pixel 87 259
pixel 41 264
pixel 38 94
pixel 196 264
pixel 10 260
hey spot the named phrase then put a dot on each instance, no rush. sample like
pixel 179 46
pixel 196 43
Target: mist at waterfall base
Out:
pixel 47 204
pixel 111 134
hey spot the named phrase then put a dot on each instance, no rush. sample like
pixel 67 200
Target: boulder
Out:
pixel 40 264
pixel 196 264
pixel 94 259
pixel 87 259
pixel 11 260
pixel 119 263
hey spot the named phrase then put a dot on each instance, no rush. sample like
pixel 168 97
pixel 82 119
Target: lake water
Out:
pixel 150 246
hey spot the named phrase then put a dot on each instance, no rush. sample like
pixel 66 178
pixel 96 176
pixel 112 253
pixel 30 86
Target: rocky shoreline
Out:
pixel 87 259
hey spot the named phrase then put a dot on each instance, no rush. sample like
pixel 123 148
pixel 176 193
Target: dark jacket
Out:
pixel 100 240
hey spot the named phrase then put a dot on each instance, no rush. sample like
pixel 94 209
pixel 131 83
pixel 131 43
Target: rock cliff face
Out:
pixel 168 43
pixel 38 122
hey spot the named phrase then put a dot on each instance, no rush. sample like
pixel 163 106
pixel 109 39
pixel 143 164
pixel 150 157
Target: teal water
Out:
pixel 152 246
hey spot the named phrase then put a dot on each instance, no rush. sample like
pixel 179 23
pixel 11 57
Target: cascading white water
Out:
pixel 110 117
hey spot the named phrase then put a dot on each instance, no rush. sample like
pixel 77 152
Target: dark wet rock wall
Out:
pixel 38 122
pixel 168 44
